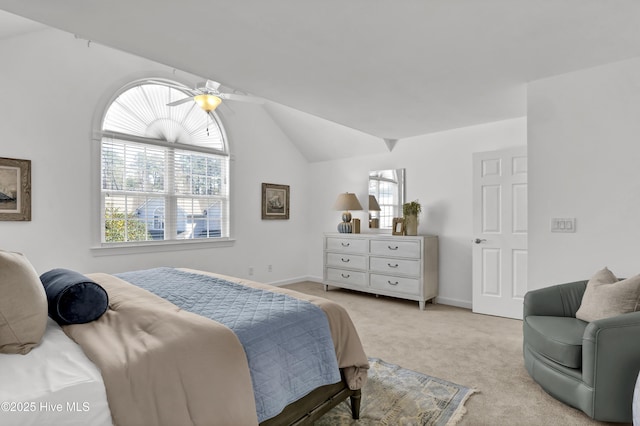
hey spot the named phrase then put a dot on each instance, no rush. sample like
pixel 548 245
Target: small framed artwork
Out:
pixel 398 226
pixel 275 201
pixel 15 189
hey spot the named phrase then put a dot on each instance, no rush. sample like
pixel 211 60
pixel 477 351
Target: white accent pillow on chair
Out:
pixel 606 297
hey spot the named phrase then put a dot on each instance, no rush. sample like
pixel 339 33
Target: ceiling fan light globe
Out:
pixel 207 102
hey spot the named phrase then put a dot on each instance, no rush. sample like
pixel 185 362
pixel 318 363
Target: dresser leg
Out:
pixel 421 304
pixel 326 287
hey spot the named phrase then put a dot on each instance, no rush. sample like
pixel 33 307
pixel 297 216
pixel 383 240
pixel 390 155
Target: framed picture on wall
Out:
pixel 275 201
pixel 398 226
pixel 15 189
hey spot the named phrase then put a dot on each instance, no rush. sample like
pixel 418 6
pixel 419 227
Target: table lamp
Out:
pixel 345 202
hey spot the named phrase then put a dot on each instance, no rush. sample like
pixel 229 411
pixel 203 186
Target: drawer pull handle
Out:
pixel 392 266
pixel 345 244
pixel 345 276
pixel 345 260
pixel 393 248
pixel 396 283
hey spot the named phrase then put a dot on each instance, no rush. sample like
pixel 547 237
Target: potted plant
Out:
pixel 411 211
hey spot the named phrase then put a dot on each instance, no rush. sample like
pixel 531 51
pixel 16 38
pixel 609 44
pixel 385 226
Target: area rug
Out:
pixel 396 396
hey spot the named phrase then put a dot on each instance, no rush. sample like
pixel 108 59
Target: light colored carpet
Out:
pixel 396 396
pixel 478 351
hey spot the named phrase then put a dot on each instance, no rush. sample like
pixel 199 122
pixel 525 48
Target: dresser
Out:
pixel 382 264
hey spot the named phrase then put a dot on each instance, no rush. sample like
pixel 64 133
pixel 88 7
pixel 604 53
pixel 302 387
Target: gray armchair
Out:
pixel 590 366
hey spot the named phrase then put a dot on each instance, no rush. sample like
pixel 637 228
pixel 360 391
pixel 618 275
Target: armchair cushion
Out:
pixel 557 338
pixel 607 297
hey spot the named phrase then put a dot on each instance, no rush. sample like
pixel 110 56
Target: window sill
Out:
pixel 159 246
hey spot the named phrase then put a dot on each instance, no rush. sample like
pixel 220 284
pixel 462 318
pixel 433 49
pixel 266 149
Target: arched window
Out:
pixel 165 170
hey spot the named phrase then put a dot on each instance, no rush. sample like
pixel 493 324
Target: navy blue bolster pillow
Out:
pixel 72 297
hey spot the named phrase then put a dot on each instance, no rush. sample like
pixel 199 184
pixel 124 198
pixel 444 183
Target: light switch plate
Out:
pixel 563 224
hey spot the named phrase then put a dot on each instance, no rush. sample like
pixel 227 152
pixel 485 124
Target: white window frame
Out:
pixel 101 247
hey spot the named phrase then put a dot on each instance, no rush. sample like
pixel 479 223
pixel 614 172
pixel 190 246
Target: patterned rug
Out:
pixel 396 396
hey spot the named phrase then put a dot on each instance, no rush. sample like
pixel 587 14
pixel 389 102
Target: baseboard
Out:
pixel 295 280
pixel 454 302
pixel 441 300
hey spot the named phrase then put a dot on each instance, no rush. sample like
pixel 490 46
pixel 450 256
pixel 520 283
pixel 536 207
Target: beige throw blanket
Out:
pixel 165 366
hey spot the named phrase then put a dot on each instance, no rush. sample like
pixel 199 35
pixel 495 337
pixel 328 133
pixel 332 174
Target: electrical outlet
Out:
pixel 269 268
pixel 250 270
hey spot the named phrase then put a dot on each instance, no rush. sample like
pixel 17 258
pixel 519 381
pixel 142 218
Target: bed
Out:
pixel 162 355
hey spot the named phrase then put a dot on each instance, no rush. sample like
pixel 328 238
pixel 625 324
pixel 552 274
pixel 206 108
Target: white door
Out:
pixel 500 232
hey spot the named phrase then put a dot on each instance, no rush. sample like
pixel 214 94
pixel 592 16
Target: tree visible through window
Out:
pixel 165 170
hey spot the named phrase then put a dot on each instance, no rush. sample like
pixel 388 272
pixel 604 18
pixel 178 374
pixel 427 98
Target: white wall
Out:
pixel 438 174
pixel 52 88
pixel 73 81
pixel 584 157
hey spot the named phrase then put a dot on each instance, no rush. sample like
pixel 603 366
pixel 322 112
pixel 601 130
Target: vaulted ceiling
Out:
pixel 388 69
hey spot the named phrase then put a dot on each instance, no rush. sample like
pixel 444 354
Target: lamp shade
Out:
pixel 207 101
pixel 347 201
pixel 373 204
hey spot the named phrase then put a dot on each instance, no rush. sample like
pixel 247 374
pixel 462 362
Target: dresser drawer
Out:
pixel 396 248
pixel 345 260
pixel 395 284
pixel 347 277
pixel 395 266
pixel 350 245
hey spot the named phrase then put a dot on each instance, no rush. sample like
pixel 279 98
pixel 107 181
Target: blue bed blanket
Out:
pixel 287 341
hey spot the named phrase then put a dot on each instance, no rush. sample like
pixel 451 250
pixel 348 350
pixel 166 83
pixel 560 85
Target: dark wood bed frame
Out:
pixel 310 408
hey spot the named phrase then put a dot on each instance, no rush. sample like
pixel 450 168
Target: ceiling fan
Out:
pixel 208 97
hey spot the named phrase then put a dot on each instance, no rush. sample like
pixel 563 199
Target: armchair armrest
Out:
pixel 611 360
pixel 611 345
pixel 561 300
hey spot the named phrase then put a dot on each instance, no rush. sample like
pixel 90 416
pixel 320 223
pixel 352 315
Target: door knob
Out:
pixel 478 240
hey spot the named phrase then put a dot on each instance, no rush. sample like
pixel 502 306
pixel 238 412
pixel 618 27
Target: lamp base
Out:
pixel 345 228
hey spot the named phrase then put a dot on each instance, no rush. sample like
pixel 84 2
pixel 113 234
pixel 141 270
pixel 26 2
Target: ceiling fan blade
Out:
pixel 181 101
pixel 241 98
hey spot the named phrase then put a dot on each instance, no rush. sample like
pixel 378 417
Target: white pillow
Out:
pixel 606 297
